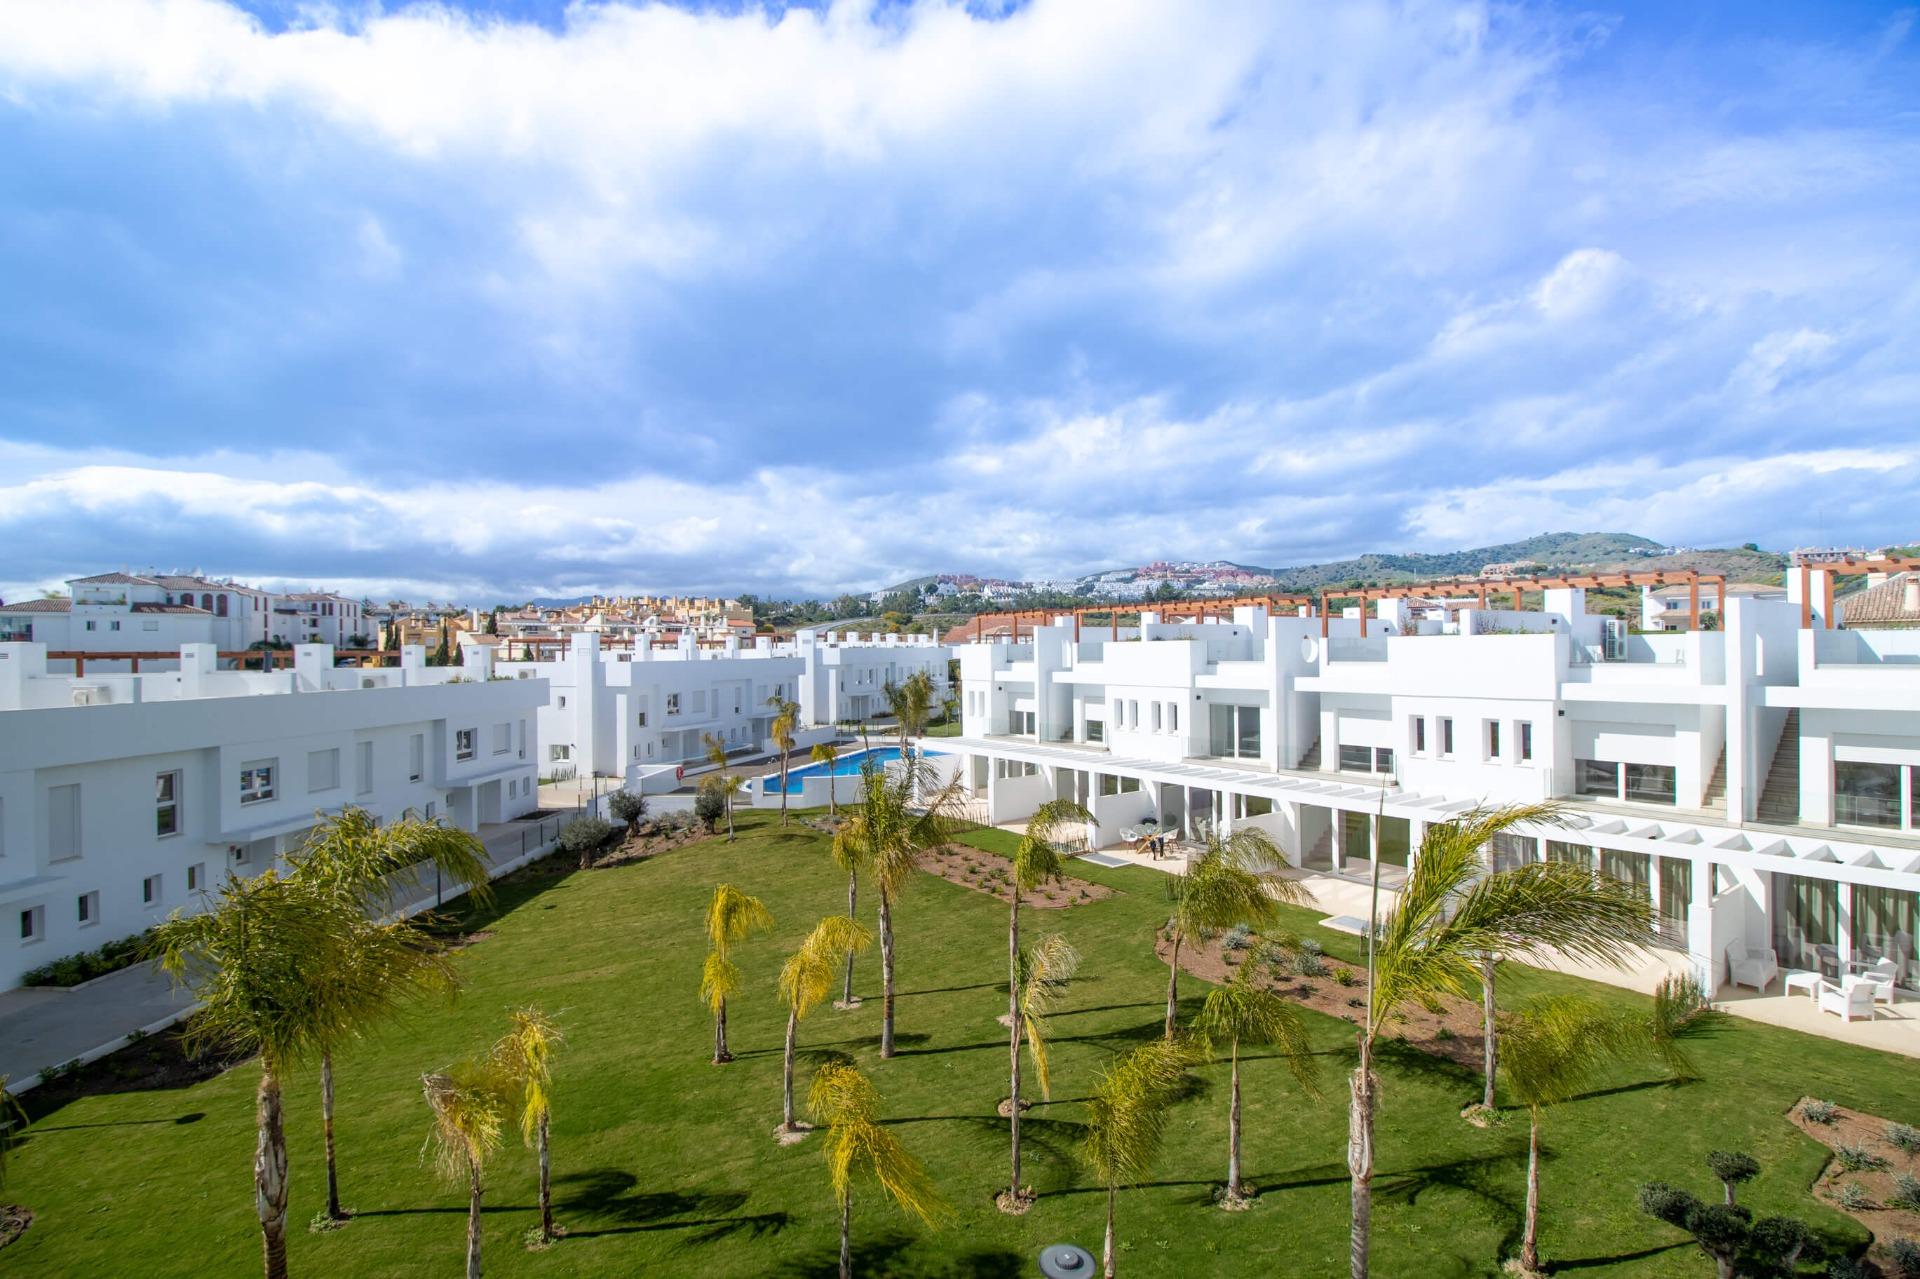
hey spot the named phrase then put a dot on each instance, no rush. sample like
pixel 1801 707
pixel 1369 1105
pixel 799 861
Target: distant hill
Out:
pixel 1554 550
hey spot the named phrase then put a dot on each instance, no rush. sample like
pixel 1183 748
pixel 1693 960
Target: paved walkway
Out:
pixel 44 1026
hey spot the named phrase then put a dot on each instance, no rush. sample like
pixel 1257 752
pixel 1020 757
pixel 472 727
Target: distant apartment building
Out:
pixel 112 613
pixel 1669 608
pixel 1760 782
pixel 125 797
pixel 637 713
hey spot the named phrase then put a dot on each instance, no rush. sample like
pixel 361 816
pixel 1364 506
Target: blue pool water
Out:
pixel 845 766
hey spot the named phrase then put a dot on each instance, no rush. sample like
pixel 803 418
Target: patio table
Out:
pixel 1802 979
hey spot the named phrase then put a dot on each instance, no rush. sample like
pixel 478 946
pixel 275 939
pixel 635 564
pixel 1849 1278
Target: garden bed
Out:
pixel 1339 990
pixel 992 874
pixel 1879 1163
pixel 652 840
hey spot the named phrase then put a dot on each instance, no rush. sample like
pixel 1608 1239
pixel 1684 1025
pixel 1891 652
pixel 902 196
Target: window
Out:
pixel 1156 717
pixel 1446 738
pixel 1235 731
pixel 256 780
pixel 520 739
pixel 196 877
pixel 502 738
pixel 1651 783
pixel 1596 777
pixel 91 626
pixel 673 703
pixel 63 822
pixel 1419 734
pixel 1096 730
pixel 323 770
pixel 1523 733
pixel 166 804
pixel 33 923
pixel 562 701
pixel 1173 717
pixel 416 757
pixel 1493 739
pixel 1645 783
pixel 89 908
pixel 1111 785
pixel 463 747
pixel 149 625
pixel 1866 794
pixel 363 768
pixel 559 750
pixel 641 719
pixel 1366 759
pixel 150 890
pixel 1510 851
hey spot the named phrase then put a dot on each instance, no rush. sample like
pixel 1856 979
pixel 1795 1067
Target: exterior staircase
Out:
pixel 1716 797
pixel 1310 762
pixel 1780 798
pixel 1321 854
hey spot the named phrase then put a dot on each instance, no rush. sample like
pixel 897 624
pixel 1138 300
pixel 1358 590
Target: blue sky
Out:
pixel 529 298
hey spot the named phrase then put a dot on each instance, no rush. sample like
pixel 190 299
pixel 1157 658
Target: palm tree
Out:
pixel 1035 861
pixel 731 915
pixel 1450 913
pixel 1236 881
pixel 895 827
pixel 786 718
pixel 366 866
pixel 849 854
pixel 525 1056
pixel 723 783
pixel 1556 1044
pixel 470 1103
pixel 249 959
pixel 1245 1011
pixel 825 753
pixel 911 702
pixel 843 1100
pixel 806 979
pixel 1127 1118
pixel 1041 976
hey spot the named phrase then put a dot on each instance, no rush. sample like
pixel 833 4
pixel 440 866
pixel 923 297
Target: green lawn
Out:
pixel 666 1165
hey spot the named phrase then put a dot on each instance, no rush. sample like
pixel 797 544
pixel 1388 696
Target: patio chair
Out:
pixel 1750 965
pixel 1854 999
pixel 1881 977
pixel 1129 834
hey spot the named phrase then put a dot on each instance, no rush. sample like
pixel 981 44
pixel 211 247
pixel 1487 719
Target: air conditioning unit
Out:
pixel 1613 639
pixel 92 695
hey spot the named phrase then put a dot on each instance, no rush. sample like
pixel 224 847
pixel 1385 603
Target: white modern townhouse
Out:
pixel 1761 781
pixel 124 797
pixel 641 714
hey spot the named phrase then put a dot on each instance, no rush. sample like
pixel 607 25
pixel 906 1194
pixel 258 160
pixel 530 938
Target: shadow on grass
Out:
pixel 1616 1258
pixel 951 990
pixel 896 1253
pixel 611 1193
pixel 191 1117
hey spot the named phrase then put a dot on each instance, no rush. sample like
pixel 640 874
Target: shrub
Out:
pixel 71 970
pixel 1667 1203
pixel 1443 1034
pixel 1906 1191
pixel 1848 1268
pixel 1732 1167
pixel 1344 977
pixel 584 835
pixel 1858 1159
pixel 1904 1138
pixel 1819 1112
pixel 1237 938
pixel 1905 1255
pixel 710 808
pixel 1854 1197
pixel 627 807
pixel 1309 964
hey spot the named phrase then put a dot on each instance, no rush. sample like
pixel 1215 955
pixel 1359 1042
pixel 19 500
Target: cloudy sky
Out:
pixel 535 298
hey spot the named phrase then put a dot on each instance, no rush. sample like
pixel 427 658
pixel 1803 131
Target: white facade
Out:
pixel 124 797
pixel 627 712
pixel 1761 781
pixel 133 613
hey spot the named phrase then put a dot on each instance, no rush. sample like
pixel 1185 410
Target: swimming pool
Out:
pixel 847 765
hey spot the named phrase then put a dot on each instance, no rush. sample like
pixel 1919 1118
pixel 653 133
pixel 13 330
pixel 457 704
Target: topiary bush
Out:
pixel 1732 1167
pixel 628 807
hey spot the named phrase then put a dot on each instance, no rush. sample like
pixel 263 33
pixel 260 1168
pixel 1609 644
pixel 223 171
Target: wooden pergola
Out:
pixel 1846 566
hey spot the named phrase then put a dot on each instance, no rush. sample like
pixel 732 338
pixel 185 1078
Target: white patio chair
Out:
pixel 1752 966
pixel 1881 977
pixel 1854 999
pixel 1129 834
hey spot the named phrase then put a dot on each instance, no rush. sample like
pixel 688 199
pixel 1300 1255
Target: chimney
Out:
pixel 1910 598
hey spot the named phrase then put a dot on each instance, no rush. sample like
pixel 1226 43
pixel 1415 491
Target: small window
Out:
pixel 1382 760
pixel 89 908
pixel 63 822
pixel 149 625
pixel 1523 734
pixel 463 747
pixel 1096 731
pixel 1356 759
pixel 559 750
pixel 323 770
pixel 150 890
pixel 257 781
pixel 166 806
pixel 1446 737
pixel 363 768
pixel 416 757
pixel 502 738
pixel 673 703
pixel 1173 717
pixel 561 701
pixel 1493 739
pixel 1156 717
pixel 1419 734
pixel 196 877
pixel 33 923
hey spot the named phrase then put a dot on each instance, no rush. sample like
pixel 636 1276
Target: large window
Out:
pixel 1510 851
pixel 1112 785
pixel 1235 731
pixel 1569 854
pixel 1023 723
pixel 1866 794
pixel 463 744
pixel 323 770
pixel 166 804
pixel 1366 759
pixel 1884 925
pixel 1806 924
pixel 1676 897
pixel 63 822
pixel 1642 783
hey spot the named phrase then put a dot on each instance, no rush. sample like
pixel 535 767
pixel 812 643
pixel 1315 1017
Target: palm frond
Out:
pixel 1127 1115
pixel 1046 968
pixel 1552 1046
pixel 1680 1014
pixel 732 914
pixel 353 853
pixel 1037 857
pixel 844 1101
pixel 469 1102
pixel 807 977
pixel 1245 1012
pixel 719 981
pixel 524 1056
